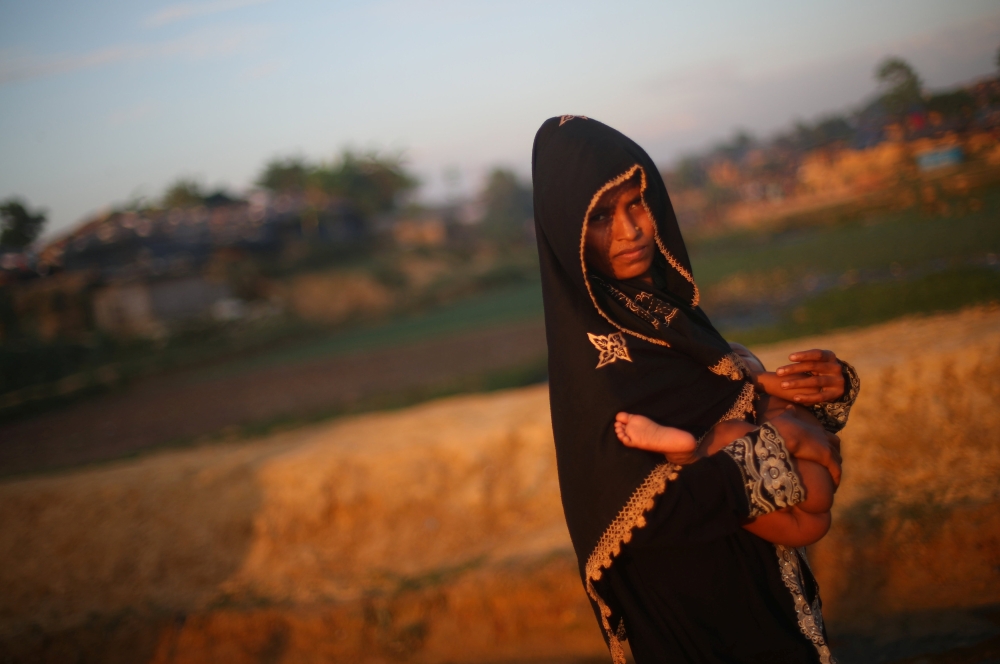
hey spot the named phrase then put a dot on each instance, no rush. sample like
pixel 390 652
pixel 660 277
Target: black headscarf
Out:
pixel 618 346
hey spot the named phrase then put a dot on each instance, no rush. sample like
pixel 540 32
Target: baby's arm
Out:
pixel 790 526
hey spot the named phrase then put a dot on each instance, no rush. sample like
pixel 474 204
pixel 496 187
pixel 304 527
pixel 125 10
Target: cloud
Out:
pixel 199 45
pixel 23 67
pixel 179 12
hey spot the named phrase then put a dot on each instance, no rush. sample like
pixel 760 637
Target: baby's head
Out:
pixel 749 359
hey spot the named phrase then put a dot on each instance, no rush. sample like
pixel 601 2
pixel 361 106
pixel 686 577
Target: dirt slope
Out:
pixel 435 533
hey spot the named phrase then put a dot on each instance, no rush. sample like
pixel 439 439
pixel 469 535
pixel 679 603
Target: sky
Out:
pixel 107 101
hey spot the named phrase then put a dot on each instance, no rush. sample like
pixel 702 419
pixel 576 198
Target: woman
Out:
pixel 663 555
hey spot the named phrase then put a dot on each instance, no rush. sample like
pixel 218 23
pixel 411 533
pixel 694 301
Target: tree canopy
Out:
pixel 370 181
pixel 184 192
pixel 507 206
pixel 901 85
pixel 19 227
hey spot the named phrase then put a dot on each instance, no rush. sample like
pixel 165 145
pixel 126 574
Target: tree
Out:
pixel 901 84
pixel 691 173
pixel 508 206
pixel 19 226
pixel 285 175
pixel 371 182
pixel 183 193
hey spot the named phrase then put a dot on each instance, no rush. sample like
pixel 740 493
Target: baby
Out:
pixel 799 525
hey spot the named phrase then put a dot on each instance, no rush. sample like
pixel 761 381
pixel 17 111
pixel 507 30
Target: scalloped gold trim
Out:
pixel 656 236
pixel 731 366
pixel 632 516
pixel 674 263
pixel 743 406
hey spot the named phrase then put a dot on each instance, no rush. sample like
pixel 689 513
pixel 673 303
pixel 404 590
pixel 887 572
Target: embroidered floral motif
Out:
pixel 646 306
pixel 563 119
pixel 833 415
pixel 769 480
pixel 612 347
pixel 731 366
pixel 810 617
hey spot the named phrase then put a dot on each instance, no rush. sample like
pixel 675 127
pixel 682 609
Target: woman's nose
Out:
pixel 627 228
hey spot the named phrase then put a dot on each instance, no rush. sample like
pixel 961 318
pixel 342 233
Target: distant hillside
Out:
pixel 902 133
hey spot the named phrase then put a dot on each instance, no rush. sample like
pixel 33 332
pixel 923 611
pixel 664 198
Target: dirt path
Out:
pixel 187 405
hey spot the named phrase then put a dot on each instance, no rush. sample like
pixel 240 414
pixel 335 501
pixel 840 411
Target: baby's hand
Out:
pixel 770 383
pixel 645 434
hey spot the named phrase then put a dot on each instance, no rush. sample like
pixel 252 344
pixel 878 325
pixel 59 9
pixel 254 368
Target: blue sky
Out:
pixel 107 100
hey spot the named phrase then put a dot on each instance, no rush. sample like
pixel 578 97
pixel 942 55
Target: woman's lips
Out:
pixel 632 254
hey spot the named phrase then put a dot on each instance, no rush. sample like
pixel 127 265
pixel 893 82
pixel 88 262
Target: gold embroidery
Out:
pixel 743 406
pixel 633 516
pixel 674 263
pixel 614 182
pixel 612 347
pixel 810 618
pixel 563 119
pixel 646 306
pixel 630 517
pixel 731 366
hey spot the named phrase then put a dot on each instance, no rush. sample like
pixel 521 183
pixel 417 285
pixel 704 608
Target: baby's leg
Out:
pixel 645 434
pixel 724 433
pixel 819 487
pixel 790 526
pixel 815 478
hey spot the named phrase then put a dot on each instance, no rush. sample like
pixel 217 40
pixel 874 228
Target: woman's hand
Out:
pixel 810 442
pixel 816 376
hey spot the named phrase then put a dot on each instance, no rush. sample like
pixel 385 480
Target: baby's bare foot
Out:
pixel 645 434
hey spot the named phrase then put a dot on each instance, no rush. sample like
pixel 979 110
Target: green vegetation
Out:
pixel 909 238
pixel 855 269
pixel 500 307
pixel 867 304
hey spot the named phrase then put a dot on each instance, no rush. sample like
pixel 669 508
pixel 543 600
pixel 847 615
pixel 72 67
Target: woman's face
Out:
pixel 619 241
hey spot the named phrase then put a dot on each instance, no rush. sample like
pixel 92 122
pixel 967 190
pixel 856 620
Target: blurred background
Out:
pixel 272 357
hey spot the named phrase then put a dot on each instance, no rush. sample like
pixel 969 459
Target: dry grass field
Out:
pixel 435 534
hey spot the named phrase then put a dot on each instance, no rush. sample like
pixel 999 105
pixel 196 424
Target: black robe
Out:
pixel 661 552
